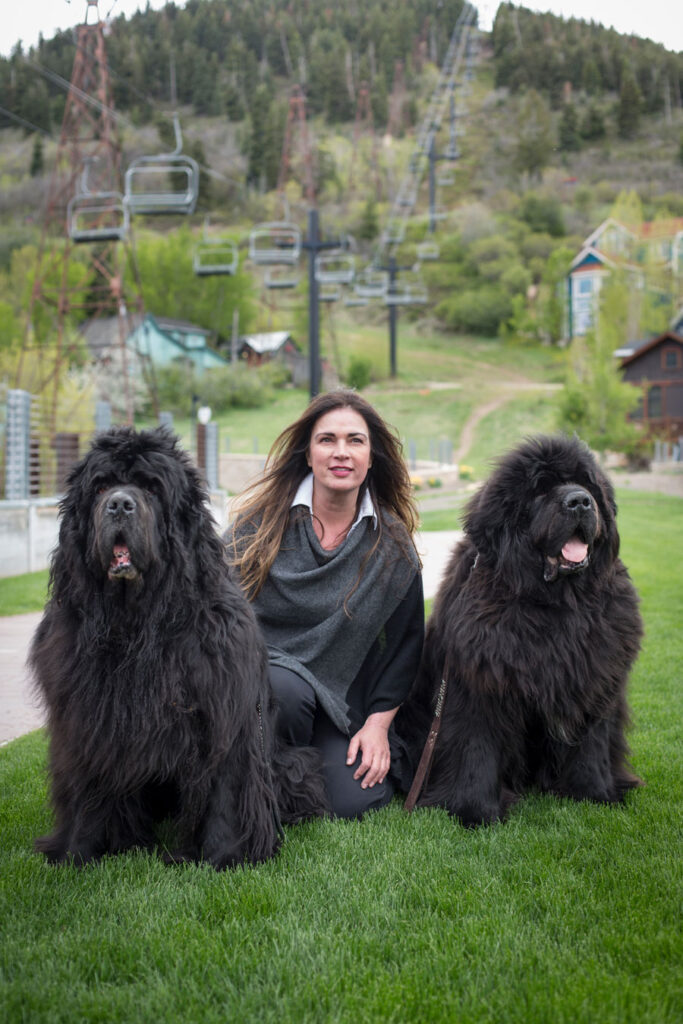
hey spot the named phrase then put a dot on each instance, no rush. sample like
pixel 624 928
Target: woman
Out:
pixel 324 547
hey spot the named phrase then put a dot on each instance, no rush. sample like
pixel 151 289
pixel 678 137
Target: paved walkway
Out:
pixel 20 712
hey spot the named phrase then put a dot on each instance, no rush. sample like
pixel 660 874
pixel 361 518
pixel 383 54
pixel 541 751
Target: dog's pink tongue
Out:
pixel 574 550
pixel 121 556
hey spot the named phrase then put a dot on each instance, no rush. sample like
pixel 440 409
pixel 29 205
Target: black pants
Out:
pixel 302 722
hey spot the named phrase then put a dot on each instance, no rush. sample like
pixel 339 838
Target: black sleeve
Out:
pixel 388 672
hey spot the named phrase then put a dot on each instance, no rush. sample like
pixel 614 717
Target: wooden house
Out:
pixel 656 368
pixel 256 349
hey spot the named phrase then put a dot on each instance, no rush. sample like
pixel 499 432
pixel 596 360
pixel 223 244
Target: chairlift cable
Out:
pixel 25 123
pixel 86 97
pixel 66 86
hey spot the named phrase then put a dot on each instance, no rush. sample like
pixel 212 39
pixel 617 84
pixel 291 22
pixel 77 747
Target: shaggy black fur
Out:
pixel 153 672
pixel 538 622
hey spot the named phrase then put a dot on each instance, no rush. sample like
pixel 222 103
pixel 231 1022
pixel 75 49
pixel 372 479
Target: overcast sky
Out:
pixel 661 20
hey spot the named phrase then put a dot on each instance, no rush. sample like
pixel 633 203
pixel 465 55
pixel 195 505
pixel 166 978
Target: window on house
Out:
pixel 585 286
pixel 671 358
pixel 654 403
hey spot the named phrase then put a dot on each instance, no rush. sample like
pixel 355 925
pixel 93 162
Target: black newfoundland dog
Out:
pixel 535 628
pixel 153 672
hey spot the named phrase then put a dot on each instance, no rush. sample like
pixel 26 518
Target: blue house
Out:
pixel 165 342
pixel 652 256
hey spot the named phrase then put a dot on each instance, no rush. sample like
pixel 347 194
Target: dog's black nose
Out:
pixel 577 501
pixel 121 503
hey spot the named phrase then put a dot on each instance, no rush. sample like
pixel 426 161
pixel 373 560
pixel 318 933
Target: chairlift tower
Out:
pixel 364 124
pixel 85 211
pixel 296 131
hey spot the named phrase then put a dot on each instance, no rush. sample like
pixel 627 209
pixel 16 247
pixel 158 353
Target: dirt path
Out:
pixel 467 432
pixel 509 390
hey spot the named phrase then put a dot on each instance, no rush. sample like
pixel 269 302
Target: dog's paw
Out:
pixel 472 814
pixel 55 852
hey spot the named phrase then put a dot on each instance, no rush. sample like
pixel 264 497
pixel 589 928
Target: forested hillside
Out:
pixel 230 59
pixel 223 52
pixel 563 123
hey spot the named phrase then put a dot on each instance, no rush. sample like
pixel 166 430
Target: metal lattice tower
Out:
pixel 364 124
pixel 296 130
pixel 86 241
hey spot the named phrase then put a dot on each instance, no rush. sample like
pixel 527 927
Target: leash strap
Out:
pixel 422 773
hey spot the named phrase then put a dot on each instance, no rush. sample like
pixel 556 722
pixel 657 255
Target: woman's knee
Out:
pixel 349 799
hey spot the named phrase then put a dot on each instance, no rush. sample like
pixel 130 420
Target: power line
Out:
pixel 25 123
pixel 102 108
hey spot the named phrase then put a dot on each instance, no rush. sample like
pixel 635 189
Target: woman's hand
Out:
pixel 373 742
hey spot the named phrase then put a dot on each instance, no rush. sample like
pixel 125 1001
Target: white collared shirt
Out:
pixel 304 496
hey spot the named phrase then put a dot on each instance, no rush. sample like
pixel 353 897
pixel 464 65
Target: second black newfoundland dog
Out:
pixel 535 628
pixel 153 672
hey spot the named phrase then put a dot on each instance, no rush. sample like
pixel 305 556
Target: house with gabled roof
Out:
pixel 256 349
pixel 161 340
pixel 655 367
pixel 652 255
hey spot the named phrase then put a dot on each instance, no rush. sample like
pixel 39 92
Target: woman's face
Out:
pixel 339 452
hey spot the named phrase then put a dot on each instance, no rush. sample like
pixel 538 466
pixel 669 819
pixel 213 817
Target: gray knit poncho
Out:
pixel 301 606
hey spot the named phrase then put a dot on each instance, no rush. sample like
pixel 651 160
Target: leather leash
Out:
pixel 422 773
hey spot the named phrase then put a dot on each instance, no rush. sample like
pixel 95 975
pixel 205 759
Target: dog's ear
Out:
pixel 68 570
pixel 603 492
pixel 493 519
pixel 193 537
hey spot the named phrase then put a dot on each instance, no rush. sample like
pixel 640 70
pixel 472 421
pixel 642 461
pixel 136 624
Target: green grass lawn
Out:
pixel 566 913
pixel 25 593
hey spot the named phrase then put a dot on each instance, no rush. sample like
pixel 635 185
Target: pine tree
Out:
pixel 630 104
pixel 534 135
pixel 568 131
pixel 593 124
pixel 37 160
pixel 368 229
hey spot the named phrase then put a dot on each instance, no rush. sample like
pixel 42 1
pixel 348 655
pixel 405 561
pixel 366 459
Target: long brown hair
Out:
pixel 267 503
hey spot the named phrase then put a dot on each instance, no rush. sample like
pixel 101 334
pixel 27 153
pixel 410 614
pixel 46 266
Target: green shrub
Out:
pixel 477 310
pixel 543 213
pixel 516 279
pixel 359 373
pixel 237 386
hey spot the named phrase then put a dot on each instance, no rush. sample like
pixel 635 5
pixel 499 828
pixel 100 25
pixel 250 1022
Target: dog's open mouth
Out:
pixel 121 566
pixel 574 557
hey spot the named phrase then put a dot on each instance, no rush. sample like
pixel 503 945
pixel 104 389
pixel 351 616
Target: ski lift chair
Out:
pixel 216 256
pixel 335 268
pixel 427 251
pixel 406 293
pixel 275 242
pixel 395 233
pixel 371 284
pixel 165 183
pixel 281 279
pixel 101 217
pixel 96 216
